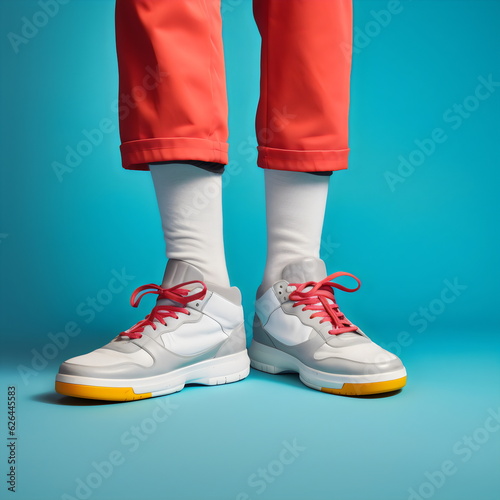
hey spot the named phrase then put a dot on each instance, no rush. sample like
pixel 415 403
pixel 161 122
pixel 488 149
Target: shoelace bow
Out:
pixel 320 298
pixel 160 312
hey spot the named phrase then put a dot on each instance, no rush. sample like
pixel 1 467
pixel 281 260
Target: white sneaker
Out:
pixel 194 334
pixel 299 328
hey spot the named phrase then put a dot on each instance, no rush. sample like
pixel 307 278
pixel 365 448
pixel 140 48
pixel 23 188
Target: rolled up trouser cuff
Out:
pixel 136 155
pixel 302 160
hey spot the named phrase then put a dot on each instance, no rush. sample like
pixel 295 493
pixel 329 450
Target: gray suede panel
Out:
pixel 236 342
pixel 260 335
pixel 305 353
pixel 164 361
pixel 230 293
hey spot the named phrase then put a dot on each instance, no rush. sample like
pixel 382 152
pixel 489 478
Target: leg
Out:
pixel 173 108
pixel 302 119
pixel 301 129
pixel 172 96
pixel 295 209
pixel 190 202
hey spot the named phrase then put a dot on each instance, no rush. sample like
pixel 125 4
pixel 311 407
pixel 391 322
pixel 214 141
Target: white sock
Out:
pixel 190 203
pixel 295 210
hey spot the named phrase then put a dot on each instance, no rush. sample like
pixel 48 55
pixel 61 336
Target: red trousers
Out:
pixel 172 96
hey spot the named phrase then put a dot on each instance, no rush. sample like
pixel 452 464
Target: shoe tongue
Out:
pixel 303 270
pixel 178 271
pixel 312 269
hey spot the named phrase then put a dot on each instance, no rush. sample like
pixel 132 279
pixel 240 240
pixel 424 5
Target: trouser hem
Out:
pixel 302 161
pixel 137 155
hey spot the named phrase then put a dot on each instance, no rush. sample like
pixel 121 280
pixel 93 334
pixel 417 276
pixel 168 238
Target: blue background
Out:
pixel 61 240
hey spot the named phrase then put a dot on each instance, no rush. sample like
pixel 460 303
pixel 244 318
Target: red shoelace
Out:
pixel 160 312
pixel 321 299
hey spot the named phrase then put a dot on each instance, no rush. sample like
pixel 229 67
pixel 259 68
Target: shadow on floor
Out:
pixel 294 380
pixel 57 399
pixel 291 379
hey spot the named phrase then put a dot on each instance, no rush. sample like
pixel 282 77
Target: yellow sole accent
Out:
pixel 366 389
pixel 101 393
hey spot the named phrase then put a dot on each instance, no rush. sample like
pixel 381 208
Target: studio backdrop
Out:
pixel 415 217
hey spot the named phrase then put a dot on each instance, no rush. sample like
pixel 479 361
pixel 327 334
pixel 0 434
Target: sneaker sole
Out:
pixel 217 371
pixel 270 360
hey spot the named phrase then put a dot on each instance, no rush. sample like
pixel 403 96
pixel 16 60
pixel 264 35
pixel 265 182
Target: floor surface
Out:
pixel 268 436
